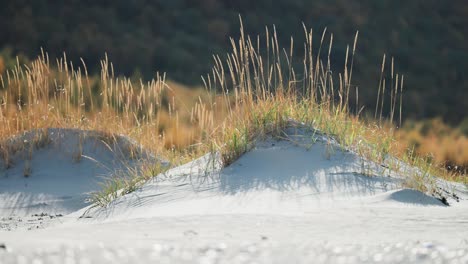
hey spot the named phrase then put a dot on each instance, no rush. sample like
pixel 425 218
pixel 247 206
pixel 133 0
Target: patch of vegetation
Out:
pixel 24 144
pixel 445 145
pixel 125 181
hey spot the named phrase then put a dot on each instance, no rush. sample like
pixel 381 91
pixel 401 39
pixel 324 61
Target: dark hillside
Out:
pixel 428 38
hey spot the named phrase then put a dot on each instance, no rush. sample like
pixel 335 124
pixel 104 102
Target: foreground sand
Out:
pixel 299 200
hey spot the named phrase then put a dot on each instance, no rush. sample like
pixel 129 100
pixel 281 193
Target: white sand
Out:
pixel 60 179
pixel 284 201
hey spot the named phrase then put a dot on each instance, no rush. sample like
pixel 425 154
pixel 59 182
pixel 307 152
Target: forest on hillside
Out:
pixel 428 38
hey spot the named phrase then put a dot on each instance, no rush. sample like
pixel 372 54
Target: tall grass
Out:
pixel 45 94
pixel 263 90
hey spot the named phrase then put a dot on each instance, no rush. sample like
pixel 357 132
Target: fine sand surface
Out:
pixel 302 199
pixel 52 172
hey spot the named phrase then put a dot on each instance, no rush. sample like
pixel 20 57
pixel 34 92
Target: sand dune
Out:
pixel 299 199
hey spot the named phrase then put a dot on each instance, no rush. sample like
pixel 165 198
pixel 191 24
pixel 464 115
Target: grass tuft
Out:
pixel 125 181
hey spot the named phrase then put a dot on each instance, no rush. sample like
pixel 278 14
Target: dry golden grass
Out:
pixel 2 66
pixel 445 145
pixel 45 94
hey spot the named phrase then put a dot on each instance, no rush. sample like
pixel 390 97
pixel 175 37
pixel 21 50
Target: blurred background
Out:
pixel 427 38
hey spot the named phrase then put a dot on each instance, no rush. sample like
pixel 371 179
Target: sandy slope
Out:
pixel 298 200
pixel 63 168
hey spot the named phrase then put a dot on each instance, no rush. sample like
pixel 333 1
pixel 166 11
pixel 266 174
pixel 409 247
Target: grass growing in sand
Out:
pixel 249 94
pixel 265 91
pixel 121 183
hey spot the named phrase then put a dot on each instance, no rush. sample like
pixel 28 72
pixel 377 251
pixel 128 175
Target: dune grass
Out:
pixel 252 92
pixel 125 182
pixel 264 91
